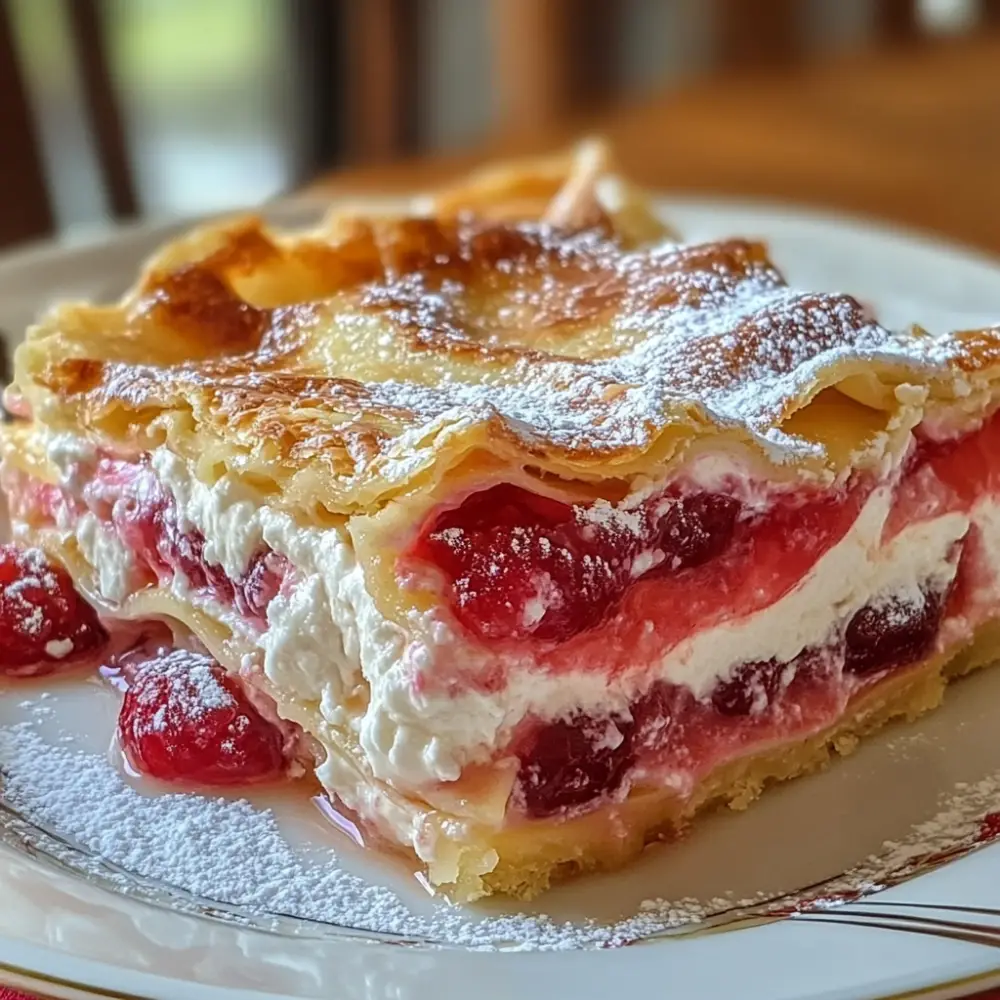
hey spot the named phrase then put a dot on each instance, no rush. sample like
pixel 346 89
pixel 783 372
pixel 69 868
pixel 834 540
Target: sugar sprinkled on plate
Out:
pixel 234 852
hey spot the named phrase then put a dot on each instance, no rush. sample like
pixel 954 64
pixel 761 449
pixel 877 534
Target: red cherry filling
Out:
pixel 572 762
pixel 520 565
pixel 146 519
pixel 694 529
pixel 44 622
pixel 892 632
pixel 184 719
pixel 750 690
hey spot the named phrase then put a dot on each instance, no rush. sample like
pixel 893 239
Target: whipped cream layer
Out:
pixel 327 644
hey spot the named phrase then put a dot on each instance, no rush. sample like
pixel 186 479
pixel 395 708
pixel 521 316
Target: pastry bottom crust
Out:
pixel 534 858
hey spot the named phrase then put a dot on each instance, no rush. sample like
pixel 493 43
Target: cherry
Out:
pixel 750 690
pixel 571 762
pixel 184 552
pixel 695 529
pixel 44 622
pixel 261 584
pixel 654 714
pixel 521 566
pixel 892 632
pixel 137 511
pixel 184 719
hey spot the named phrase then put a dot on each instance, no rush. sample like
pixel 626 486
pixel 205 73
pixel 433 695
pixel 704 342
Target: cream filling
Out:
pixel 112 561
pixel 327 644
pixel 853 573
pixel 986 517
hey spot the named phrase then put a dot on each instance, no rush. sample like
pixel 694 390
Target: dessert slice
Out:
pixel 548 532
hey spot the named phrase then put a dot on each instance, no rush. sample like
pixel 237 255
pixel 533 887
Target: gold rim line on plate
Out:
pixel 20 835
pixel 28 980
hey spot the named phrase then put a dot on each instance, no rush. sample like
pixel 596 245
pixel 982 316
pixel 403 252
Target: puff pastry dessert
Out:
pixel 549 531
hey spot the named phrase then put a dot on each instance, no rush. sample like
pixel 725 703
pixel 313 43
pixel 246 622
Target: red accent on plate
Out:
pixel 989 828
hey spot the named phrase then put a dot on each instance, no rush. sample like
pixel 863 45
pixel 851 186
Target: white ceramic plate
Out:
pixel 71 928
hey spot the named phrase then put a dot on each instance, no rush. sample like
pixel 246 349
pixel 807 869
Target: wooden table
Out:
pixel 911 135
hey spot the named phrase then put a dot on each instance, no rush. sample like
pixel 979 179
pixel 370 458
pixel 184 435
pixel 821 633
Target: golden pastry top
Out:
pixel 537 317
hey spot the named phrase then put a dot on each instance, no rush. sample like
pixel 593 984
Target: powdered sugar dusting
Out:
pixel 898 608
pixel 59 649
pixel 738 345
pixel 966 821
pixel 43 621
pixel 194 689
pixel 19 604
pixel 557 340
pixel 233 852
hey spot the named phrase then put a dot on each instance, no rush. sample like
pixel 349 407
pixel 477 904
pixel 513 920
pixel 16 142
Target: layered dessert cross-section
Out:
pixel 537 530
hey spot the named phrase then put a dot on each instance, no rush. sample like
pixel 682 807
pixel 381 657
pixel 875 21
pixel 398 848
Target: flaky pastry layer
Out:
pixel 534 321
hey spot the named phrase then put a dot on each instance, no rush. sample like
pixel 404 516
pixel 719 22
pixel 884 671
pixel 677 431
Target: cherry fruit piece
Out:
pixel 184 719
pixel 261 584
pixel 44 622
pixel 521 566
pixel 750 690
pixel 146 519
pixel 695 529
pixel 892 632
pixel 571 762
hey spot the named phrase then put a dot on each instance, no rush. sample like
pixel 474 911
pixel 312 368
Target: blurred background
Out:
pixel 123 108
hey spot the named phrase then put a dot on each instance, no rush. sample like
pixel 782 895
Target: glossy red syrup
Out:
pixel 185 720
pixel 522 565
pixel 45 625
pixel 968 464
pixel 519 566
pixel 947 475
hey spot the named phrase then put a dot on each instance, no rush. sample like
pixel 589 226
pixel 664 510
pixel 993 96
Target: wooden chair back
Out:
pixel 551 60
pixel 27 203
pixel 27 211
